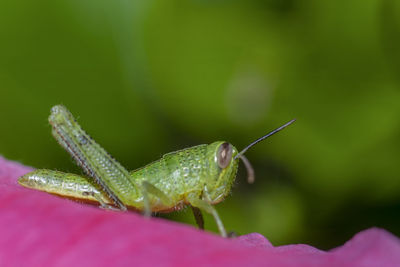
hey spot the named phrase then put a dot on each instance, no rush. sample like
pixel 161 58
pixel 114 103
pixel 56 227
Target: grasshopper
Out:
pixel 199 176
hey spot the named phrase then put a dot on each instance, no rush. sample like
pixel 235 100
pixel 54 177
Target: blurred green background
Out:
pixel 149 77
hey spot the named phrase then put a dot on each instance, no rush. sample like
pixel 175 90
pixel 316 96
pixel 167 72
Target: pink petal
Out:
pixel 37 229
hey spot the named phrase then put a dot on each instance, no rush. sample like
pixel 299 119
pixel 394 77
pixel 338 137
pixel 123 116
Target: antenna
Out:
pixel 263 137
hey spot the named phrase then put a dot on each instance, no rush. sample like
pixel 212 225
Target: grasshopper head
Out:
pixel 222 171
pixel 223 162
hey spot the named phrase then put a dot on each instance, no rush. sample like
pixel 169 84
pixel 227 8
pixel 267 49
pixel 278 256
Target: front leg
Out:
pixel 195 201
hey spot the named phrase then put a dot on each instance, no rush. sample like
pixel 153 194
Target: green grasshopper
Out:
pixel 200 176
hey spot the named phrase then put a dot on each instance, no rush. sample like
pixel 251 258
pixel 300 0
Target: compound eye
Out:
pixel 224 155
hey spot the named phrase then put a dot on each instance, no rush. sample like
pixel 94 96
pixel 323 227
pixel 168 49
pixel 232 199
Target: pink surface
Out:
pixel 37 229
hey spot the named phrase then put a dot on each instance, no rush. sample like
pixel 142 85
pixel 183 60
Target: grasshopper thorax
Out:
pixel 222 170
